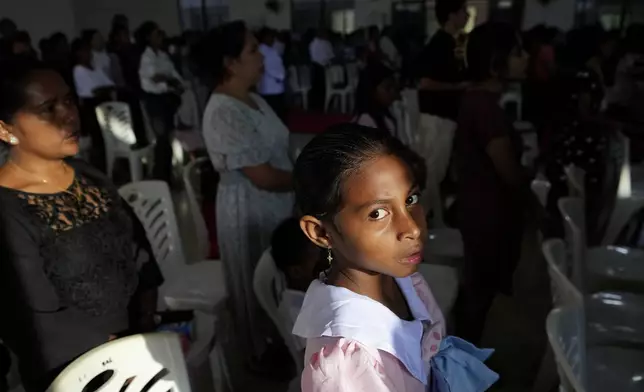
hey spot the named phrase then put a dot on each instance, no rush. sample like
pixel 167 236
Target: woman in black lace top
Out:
pixel 76 269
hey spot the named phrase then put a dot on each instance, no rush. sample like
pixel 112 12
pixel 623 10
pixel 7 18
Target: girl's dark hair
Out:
pixel 488 49
pixel 289 245
pixel 444 8
pixel 15 74
pixel 366 97
pixel 331 157
pixel 226 41
pixel 142 34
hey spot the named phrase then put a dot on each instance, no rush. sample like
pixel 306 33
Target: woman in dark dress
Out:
pixel 492 183
pixel 76 268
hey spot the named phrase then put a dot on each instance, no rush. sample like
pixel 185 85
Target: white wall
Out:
pixel 373 12
pixel 559 13
pixel 40 17
pixel 98 13
pixel 255 14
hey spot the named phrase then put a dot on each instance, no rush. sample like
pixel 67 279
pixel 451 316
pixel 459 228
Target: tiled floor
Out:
pixel 515 328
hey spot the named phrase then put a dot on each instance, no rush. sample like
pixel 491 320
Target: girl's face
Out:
pixel 387 92
pixel 517 63
pixel 381 227
pixel 98 43
pixel 48 124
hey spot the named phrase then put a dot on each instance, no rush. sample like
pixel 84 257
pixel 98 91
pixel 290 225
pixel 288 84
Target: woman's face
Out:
pixel 387 92
pixel 381 227
pixel 518 64
pixel 249 66
pixel 47 125
pixel 156 38
pixel 98 43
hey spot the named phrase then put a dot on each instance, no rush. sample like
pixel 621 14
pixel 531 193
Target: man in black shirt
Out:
pixel 441 72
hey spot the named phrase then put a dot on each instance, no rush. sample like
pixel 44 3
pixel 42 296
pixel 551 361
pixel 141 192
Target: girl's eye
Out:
pixel 378 214
pixel 412 200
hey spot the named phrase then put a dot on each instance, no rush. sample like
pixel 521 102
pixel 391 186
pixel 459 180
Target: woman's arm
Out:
pixel 503 157
pixel 268 178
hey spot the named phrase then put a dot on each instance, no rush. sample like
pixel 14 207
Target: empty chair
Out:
pixel 151 362
pixel 576 181
pixel 115 121
pixel 268 284
pixel 572 211
pixel 199 286
pixel 541 188
pixel 338 87
pixel 192 182
pixel 299 83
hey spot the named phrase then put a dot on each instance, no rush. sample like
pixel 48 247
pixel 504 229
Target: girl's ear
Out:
pixel 313 228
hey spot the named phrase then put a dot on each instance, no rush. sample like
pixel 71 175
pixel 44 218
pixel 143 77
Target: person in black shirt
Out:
pixel 441 72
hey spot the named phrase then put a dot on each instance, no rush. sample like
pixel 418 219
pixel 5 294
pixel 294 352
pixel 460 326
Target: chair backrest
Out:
pixel 293 79
pixel 335 75
pixel 353 74
pixel 192 182
pixel 115 121
pixel 304 76
pixel 154 363
pixel 564 292
pixel 624 185
pixel 268 284
pixel 572 211
pixel 576 177
pixel 412 116
pixel 569 347
pixel 541 188
pixel 152 203
pixel 622 213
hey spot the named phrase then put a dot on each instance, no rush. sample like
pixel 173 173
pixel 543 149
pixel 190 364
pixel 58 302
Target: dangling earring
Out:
pixel 329 257
pixel 13 140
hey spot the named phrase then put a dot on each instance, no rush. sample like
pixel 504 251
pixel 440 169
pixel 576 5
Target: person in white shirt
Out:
pixel 162 87
pixel 377 90
pixel 90 81
pixel 301 262
pixel 321 52
pixel 271 86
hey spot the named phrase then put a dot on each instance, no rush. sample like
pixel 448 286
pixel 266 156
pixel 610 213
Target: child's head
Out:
pixel 358 196
pixel 377 89
pixel 294 254
pixel 495 51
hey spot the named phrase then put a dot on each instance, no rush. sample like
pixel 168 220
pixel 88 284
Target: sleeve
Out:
pixel 344 366
pixel 147 70
pixel 275 66
pixel 493 123
pixel 232 139
pixel 84 84
pixel 22 265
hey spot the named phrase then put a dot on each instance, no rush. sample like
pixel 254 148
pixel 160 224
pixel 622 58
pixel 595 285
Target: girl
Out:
pixel 376 92
pixel 370 321
pixel 492 184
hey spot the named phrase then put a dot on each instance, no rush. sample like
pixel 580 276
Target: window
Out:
pixel 343 21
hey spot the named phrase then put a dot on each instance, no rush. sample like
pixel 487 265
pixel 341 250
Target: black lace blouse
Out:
pixel 70 265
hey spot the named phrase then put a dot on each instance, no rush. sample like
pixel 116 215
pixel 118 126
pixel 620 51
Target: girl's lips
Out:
pixel 413 259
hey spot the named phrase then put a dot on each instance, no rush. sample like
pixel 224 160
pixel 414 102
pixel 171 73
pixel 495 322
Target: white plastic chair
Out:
pixel 576 181
pixel 562 327
pixel 353 74
pixel 442 241
pixel 338 87
pixel 564 292
pixel 115 121
pixel 541 188
pixel 623 211
pixel 152 358
pixel 443 281
pixel 513 95
pixel 412 117
pixel 199 286
pixel 572 211
pixel 299 82
pixel 192 183
pixel 268 282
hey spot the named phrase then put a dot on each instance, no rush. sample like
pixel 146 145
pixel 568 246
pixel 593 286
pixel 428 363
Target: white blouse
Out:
pixel 87 80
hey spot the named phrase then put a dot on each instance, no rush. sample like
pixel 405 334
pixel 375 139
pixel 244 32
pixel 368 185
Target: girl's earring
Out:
pixel 330 256
pixel 13 140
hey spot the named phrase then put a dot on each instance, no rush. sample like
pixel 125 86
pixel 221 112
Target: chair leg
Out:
pixel 136 168
pixel 305 100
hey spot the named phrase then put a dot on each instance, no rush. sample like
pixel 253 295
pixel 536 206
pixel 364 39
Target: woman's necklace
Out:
pixel 47 182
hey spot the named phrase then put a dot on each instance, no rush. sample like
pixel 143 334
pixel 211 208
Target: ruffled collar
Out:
pixel 332 311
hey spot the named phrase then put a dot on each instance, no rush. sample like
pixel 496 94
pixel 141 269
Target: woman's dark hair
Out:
pixel 582 44
pixel 289 245
pixel 366 97
pixel 265 33
pixel 79 45
pixel 331 157
pixel 488 49
pixel 143 33
pixel 88 35
pixel 15 74
pixel 226 41
pixel 444 8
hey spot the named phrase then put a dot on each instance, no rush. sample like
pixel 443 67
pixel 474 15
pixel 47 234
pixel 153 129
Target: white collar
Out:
pixel 338 312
